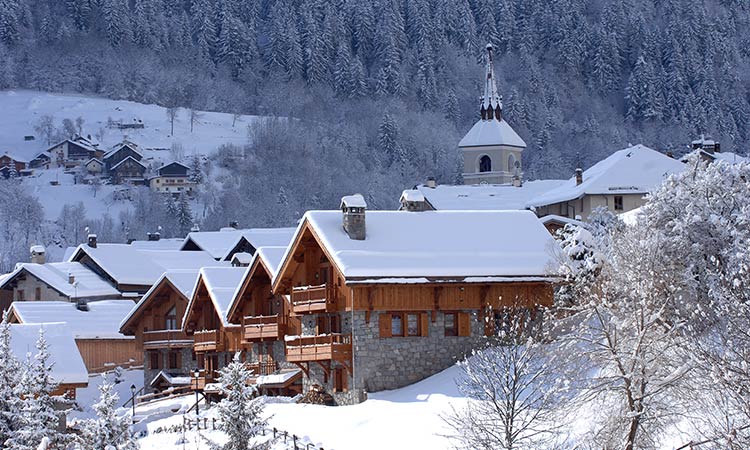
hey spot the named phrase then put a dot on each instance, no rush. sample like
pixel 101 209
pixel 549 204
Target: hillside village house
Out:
pixel 172 178
pixel 73 152
pixel 392 297
pixel 119 153
pixel 129 170
pixel 41 161
pixel 265 319
pixel 68 372
pixel 156 323
pixel 10 163
pixel 94 326
pixel 224 244
pixel 215 340
pixel 94 166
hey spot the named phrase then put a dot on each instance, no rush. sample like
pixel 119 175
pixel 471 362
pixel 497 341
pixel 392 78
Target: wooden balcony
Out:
pixel 208 341
pixel 311 299
pixel 203 379
pixel 259 328
pixel 165 339
pixel 331 347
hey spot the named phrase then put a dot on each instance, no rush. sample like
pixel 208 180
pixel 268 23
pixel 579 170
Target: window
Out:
pixel 450 324
pixel 485 164
pixel 618 203
pixel 154 360
pixel 174 360
pixel 38 293
pixel 20 295
pixel 339 380
pixel 397 325
pixel 170 320
pixel 512 164
pixel 412 324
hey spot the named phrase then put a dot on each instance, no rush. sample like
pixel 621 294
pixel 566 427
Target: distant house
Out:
pixel 119 153
pixel 94 166
pixel 40 161
pixel 156 323
pixel 172 178
pixel 222 245
pixel 132 269
pixel 68 369
pixel 619 183
pixel 73 152
pixel 710 151
pixel 13 163
pixel 129 170
pixel 95 328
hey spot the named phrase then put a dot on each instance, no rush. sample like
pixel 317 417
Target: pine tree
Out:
pixel 38 418
pixel 9 377
pixel 388 140
pixel 241 414
pixel 108 429
pixel 184 215
pixel 10 27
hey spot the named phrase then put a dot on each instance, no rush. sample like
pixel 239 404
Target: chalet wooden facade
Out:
pixel 72 152
pixel 119 153
pixel 265 319
pixel 13 163
pixel 156 323
pixel 215 339
pixel 172 178
pixel 393 297
pixel 129 170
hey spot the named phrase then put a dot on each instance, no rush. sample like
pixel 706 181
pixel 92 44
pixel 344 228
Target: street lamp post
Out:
pixel 132 391
pixel 197 374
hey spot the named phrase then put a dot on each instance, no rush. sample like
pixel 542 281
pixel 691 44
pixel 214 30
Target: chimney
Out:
pixel 431 183
pixel 234 224
pixel 153 236
pixel 517 181
pixel 71 278
pixel 353 208
pixel 92 240
pixel 38 254
pixel 670 154
pixel 81 305
pixel 579 176
pixel 195 228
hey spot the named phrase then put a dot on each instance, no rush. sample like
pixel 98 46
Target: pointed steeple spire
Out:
pixel 492 101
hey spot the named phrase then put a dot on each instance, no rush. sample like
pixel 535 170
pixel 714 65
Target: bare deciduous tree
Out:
pixel 172 113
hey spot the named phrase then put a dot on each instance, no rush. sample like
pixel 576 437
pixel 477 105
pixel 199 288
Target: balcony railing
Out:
pixel 311 299
pixel 166 339
pixel 256 328
pixel 208 341
pixel 319 348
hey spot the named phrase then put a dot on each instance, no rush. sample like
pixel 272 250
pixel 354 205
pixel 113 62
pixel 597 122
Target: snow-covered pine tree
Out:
pixel 241 415
pixel 10 402
pixel 107 429
pixel 388 140
pixel 38 418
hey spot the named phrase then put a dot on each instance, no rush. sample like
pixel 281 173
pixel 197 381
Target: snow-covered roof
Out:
pixel 271 258
pixel 172 379
pixel 117 147
pixel 132 265
pixel 559 219
pixel 221 284
pixel 37 249
pixel 281 378
pixel 242 258
pixel 93 160
pixel 67 363
pixel 171 163
pixel 15 157
pixel 491 132
pixel 161 244
pixel 729 157
pixel 101 321
pixel 219 244
pixel 129 158
pixel 87 283
pixel 479 197
pixel 182 280
pixel 435 244
pixel 634 170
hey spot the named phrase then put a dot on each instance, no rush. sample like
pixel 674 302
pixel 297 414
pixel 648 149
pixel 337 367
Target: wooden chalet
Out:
pixel 156 323
pixel 172 178
pixel 17 163
pixel 215 339
pixel 119 153
pixel 40 161
pixel 224 244
pixel 392 297
pixel 265 319
pixel 129 170
pixel 72 152
pixel 94 326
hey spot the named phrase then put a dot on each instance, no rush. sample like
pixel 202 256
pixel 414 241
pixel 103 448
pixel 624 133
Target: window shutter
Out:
pixel 385 325
pixel 464 325
pixel 424 325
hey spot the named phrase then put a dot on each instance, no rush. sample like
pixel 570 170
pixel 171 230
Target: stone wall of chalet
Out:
pixel 187 365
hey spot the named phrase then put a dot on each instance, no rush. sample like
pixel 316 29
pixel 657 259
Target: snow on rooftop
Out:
pixel 137 266
pixel 559 219
pixel 242 258
pixel 220 243
pixel 37 249
pixel 272 257
pixel 354 201
pixel 101 321
pixel 172 379
pixel 412 195
pixel 634 170
pixel 67 364
pixel 438 244
pixel 491 132
pixel 87 283
pixel 481 197
pixel 731 158
pixel 161 244
pixel 183 280
pixel 221 284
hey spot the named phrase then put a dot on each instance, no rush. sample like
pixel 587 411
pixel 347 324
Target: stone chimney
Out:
pixel 38 254
pixel 579 176
pixel 71 278
pixel 92 240
pixel 431 183
pixel 234 224
pixel 353 208
pixel 413 200
pixel 517 181
pixel 153 236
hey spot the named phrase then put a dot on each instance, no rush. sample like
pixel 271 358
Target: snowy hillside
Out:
pixel 22 110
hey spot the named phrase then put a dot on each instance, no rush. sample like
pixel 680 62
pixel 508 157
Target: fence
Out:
pixel 293 441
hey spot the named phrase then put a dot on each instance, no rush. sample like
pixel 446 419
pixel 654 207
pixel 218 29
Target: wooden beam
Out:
pixel 305 368
pixel 326 370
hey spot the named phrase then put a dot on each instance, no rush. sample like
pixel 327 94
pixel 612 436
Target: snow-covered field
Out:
pixel 22 109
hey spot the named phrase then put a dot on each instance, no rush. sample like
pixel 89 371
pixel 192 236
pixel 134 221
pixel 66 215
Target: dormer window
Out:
pixel 170 320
